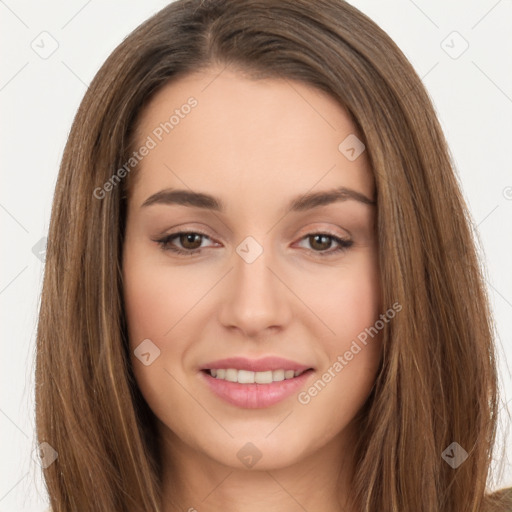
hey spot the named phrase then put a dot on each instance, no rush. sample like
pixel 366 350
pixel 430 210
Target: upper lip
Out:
pixel 255 365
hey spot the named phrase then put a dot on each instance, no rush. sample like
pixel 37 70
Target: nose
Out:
pixel 256 299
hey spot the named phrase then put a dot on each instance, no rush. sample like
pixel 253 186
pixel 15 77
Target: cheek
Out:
pixel 148 303
pixel 156 302
pixel 156 299
pixel 352 302
pixel 353 352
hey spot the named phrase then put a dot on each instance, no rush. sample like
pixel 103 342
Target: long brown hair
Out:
pixel 437 383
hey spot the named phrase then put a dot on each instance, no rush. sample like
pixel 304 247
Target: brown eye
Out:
pixel 321 243
pixel 189 242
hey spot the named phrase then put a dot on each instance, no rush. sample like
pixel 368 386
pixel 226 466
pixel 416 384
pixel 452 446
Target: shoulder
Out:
pixel 498 501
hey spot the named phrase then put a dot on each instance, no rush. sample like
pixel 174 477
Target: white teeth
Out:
pixel 248 377
pixel 231 375
pixel 277 375
pixel 263 377
pixel 245 377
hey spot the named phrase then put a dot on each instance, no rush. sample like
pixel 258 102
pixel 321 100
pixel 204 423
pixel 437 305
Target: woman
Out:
pixel 330 348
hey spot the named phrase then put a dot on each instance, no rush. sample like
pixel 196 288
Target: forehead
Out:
pixel 270 136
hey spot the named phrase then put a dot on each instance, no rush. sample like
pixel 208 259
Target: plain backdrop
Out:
pixel 462 50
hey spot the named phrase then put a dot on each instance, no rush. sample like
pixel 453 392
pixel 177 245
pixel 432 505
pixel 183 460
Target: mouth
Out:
pixel 248 389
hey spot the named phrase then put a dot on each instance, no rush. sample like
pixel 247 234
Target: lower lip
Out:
pixel 255 396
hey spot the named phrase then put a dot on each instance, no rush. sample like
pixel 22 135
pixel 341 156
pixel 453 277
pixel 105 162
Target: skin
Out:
pixel 254 145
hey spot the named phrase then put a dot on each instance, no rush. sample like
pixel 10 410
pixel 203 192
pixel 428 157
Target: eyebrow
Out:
pixel 297 204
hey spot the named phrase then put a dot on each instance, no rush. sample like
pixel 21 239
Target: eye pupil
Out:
pixel 189 237
pixel 324 245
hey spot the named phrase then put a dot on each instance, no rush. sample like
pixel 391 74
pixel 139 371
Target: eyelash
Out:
pixel 165 243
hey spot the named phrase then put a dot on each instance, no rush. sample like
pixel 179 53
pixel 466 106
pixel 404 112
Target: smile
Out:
pixel 254 390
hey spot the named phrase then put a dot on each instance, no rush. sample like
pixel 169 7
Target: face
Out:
pixel 268 276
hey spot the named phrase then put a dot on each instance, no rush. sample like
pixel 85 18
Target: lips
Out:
pixel 256 383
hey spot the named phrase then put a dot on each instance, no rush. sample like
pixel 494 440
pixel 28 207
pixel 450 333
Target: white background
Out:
pixel 39 97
